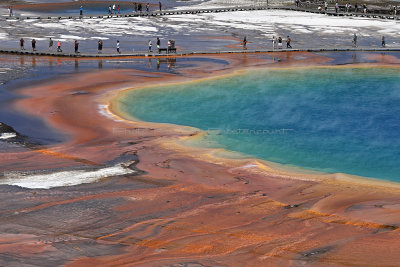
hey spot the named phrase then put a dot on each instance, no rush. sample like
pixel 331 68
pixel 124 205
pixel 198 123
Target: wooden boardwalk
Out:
pixel 330 12
pixel 190 53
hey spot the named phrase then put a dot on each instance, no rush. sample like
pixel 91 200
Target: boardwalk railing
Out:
pixel 188 53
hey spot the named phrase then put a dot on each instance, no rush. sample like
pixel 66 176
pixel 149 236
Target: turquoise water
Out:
pixel 329 119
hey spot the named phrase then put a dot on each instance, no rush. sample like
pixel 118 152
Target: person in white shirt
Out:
pixel 273 42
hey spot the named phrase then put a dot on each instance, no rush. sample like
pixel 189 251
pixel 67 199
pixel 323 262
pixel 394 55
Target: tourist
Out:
pixel 365 8
pixel 99 46
pixel 288 40
pixel 21 43
pixel 336 7
pixel 245 43
pixel 355 7
pixel 50 44
pixel 158 44
pixel 81 11
pixel 147 7
pixel 59 46
pixel 113 9
pixel 76 45
pixel 159 5
pixel 150 46
pixel 273 42
pixel 140 8
pixel 280 42
pixel 326 6
pixel 119 10
pixel 33 45
pixel 297 2
pixel 395 10
pixel 135 7
pixel 109 10
pixel 10 12
pixel 355 40
pixel 383 41
pixel 168 46
pixel 118 47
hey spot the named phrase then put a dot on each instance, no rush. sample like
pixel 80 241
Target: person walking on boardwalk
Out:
pixel 245 43
pixel 288 40
pixel 113 9
pixel 109 10
pixel 76 45
pixel 150 46
pixel 140 8
pixel 147 7
pixel 383 41
pixel 50 44
pixel 158 44
pixel 356 7
pixel 59 47
pixel 81 11
pixel 169 45
pixel 336 7
pixel 355 40
pixel 99 46
pixel 273 42
pixel 33 45
pixel 326 6
pixel 280 42
pixel 119 9
pixel 118 47
pixel 159 5
pixel 21 43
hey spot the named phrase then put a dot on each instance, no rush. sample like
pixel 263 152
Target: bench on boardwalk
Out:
pixel 167 50
pixel 171 48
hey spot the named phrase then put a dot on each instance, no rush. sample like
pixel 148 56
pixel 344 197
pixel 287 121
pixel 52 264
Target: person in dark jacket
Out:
pixel 21 43
pixel 76 45
pixel 33 44
pixel 99 46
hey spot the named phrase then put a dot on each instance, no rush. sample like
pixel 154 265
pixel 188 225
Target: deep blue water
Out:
pixel 101 8
pixel 330 119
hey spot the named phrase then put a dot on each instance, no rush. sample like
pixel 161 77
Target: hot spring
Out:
pixel 333 119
